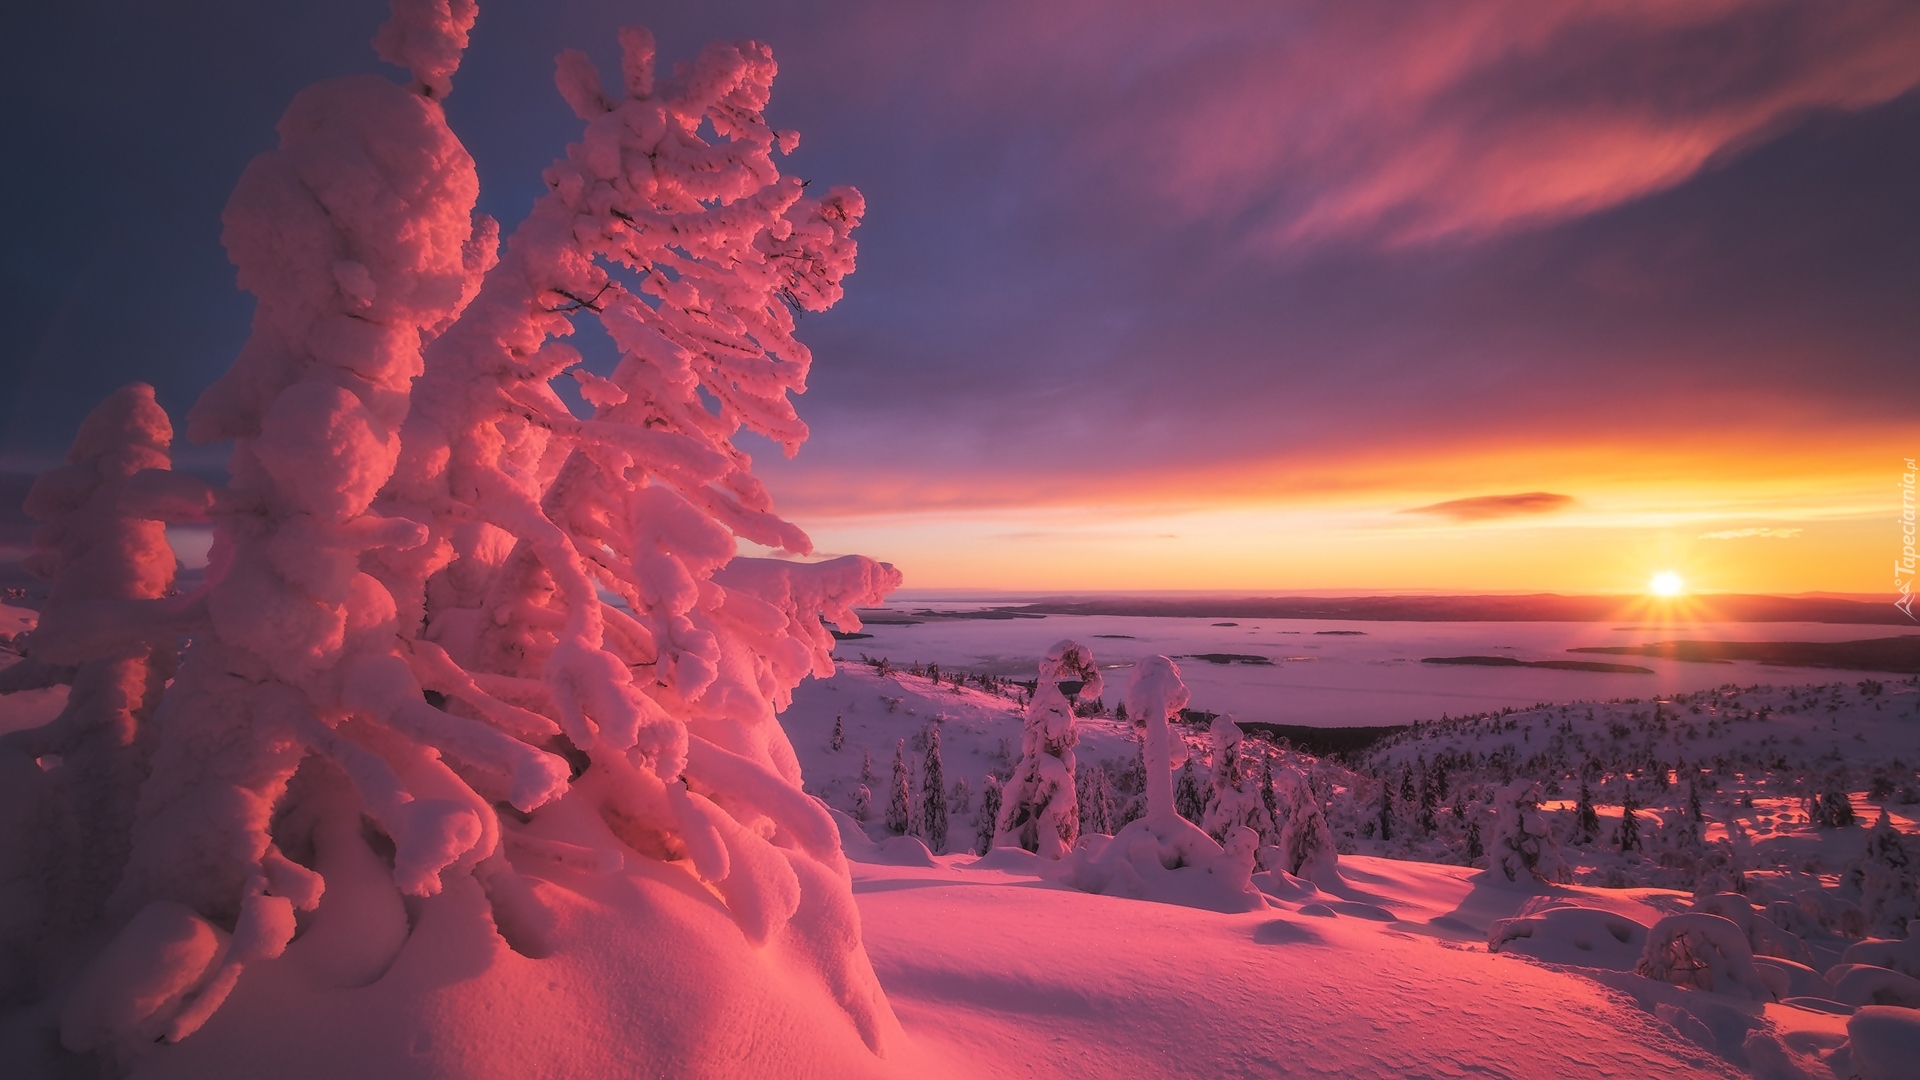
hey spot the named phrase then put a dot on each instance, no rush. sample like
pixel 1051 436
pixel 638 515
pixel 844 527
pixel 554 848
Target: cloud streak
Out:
pixel 1744 534
pixel 1492 507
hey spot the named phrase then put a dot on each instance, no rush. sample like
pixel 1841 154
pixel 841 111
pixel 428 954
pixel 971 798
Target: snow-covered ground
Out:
pixel 1397 969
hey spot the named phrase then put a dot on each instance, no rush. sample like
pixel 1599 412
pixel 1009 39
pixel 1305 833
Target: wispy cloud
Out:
pixel 1743 534
pixel 1488 507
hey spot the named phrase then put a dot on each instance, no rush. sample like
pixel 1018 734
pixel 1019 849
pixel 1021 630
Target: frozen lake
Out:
pixel 1347 674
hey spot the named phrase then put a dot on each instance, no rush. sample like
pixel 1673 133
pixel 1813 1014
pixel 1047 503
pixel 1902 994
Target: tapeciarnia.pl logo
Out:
pixel 1903 566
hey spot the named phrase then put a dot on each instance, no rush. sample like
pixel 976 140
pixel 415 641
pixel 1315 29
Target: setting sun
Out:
pixel 1666 583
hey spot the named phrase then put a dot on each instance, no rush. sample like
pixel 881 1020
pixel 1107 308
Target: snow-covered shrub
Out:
pixel 1039 809
pixel 403 621
pixel 1523 844
pixel 1705 952
pixel 1763 937
pixel 65 831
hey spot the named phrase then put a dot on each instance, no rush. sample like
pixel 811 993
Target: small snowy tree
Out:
pixel 1233 798
pixel 1039 811
pixel 1306 842
pixel 1629 835
pixel 66 828
pixel 1386 810
pixel 1832 806
pixel 933 794
pixel 1586 819
pixel 1885 880
pixel 1523 840
pixel 839 740
pixel 1187 798
pixel 862 803
pixel 899 798
pixel 987 819
pixel 1094 792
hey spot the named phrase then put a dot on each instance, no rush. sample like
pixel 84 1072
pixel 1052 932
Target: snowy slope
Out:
pixel 1007 976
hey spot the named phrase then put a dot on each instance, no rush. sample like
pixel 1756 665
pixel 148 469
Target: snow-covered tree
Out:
pixel 987 819
pixel 899 797
pixel 1039 810
pixel 1885 880
pixel 1187 796
pixel 1306 842
pixel 933 794
pixel 1832 806
pixel 403 623
pixel 1586 819
pixel 1629 834
pixel 1523 842
pixel 65 830
pixel 839 740
pixel 1233 796
pixel 1385 814
pixel 1094 792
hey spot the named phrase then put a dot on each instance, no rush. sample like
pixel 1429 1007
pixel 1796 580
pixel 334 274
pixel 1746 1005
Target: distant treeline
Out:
pixel 1344 742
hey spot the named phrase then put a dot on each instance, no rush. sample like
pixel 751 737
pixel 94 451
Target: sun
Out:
pixel 1666 583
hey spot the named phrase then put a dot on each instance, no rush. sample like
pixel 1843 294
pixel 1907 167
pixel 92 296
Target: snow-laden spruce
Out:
pixel 404 623
pixel 1039 808
pixel 1306 848
pixel 102 546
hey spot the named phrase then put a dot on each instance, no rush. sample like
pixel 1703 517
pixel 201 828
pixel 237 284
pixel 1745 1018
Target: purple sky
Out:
pixel 1243 252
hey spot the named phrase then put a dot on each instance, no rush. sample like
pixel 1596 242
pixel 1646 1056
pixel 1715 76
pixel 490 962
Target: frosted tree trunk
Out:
pixel 1155 693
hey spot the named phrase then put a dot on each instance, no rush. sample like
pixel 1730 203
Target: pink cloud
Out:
pixel 1407 123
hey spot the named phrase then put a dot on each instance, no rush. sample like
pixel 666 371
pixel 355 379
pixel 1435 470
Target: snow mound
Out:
pixel 1861 984
pixel 1884 1042
pixel 1170 860
pixel 1579 936
pixel 1705 952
